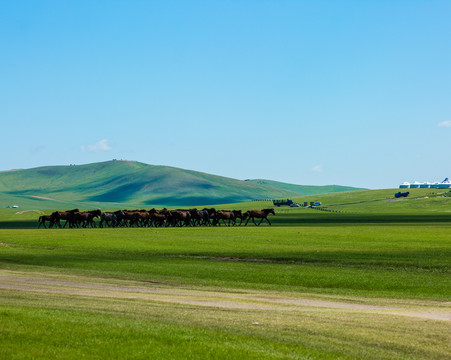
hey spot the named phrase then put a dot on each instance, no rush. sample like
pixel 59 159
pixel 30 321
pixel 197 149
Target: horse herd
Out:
pixel 156 218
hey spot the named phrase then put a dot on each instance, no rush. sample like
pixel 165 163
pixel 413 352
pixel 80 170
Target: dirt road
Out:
pixel 219 298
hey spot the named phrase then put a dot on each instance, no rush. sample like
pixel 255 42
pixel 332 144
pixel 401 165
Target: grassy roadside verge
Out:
pixel 409 261
pixel 102 323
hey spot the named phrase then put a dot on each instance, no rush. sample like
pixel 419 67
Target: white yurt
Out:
pixel 415 185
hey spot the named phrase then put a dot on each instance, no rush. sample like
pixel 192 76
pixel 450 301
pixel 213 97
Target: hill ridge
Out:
pixel 134 182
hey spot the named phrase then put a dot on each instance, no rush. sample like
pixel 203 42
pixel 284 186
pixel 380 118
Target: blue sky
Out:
pixel 308 92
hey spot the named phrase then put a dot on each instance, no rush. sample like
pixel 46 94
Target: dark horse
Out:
pixel 259 214
pixel 224 215
pixel 44 218
pixel 239 215
pixel 64 215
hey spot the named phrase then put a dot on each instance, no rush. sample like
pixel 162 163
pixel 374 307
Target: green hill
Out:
pixel 128 182
pixel 381 205
pixel 304 189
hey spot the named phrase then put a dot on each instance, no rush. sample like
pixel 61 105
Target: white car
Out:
pixel 294 205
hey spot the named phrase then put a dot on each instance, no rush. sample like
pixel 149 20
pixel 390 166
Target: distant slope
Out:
pixel 129 182
pixel 304 189
pixel 435 204
pixel 133 183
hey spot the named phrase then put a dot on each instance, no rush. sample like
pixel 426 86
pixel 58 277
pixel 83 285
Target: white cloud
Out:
pixel 101 145
pixel 446 123
pixel 317 168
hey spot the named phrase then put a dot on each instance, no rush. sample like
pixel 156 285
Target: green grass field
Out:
pixel 370 282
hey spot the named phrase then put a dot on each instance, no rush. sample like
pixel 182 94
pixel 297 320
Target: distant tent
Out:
pixel 415 185
pixel 445 184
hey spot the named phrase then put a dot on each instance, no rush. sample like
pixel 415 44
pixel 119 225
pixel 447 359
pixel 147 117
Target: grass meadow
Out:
pixel 369 282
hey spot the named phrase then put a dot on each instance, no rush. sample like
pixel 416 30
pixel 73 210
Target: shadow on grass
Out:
pixel 306 220
pixel 337 219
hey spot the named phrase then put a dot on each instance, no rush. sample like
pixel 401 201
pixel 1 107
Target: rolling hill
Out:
pixel 129 182
pixel 304 189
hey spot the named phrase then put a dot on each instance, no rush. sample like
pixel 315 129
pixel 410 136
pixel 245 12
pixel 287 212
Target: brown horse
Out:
pixel 180 217
pixel 64 215
pixel 83 219
pixel 141 218
pixel 128 217
pixel 224 215
pixel 209 215
pixel 259 214
pixel 44 218
pixel 239 215
pixel 157 217
pixel 95 213
pixel 109 218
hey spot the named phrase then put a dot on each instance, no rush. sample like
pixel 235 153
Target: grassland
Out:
pixel 371 281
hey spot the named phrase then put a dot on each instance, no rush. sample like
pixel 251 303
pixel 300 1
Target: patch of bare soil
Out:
pixel 242 299
pixel 25 211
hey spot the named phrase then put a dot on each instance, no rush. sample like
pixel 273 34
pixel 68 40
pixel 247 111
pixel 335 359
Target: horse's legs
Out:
pixel 253 220
pixel 247 221
pixel 260 222
pixel 268 221
pixel 41 223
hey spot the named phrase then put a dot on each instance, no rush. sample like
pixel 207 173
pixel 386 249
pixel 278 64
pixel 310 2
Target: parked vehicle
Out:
pixel 286 202
pixel 317 203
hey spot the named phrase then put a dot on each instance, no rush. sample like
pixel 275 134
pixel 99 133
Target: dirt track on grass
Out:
pixel 230 299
